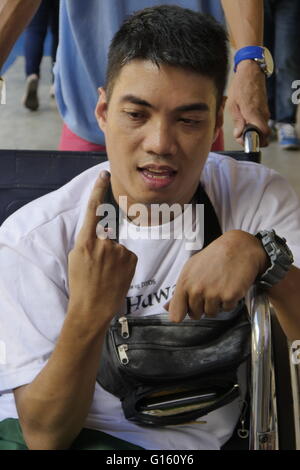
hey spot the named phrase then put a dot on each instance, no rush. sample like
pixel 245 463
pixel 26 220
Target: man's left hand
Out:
pixel 216 278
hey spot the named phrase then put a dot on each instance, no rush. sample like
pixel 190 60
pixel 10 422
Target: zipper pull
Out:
pixel 124 327
pixel 243 432
pixel 122 353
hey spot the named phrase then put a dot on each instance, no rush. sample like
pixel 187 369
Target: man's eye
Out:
pixel 191 122
pixel 134 115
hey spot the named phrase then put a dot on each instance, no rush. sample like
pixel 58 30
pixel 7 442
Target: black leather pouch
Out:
pixel 171 373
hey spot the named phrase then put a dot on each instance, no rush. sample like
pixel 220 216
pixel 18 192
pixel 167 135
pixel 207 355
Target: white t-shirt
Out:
pixel 34 247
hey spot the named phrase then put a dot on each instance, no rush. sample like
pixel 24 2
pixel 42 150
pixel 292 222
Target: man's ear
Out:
pixel 101 109
pixel 220 118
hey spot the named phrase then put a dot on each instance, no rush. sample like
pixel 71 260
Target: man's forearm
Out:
pixel 245 21
pixel 285 298
pixel 14 16
pixel 52 409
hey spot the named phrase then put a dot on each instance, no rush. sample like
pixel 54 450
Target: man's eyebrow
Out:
pixel 135 100
pixel 183 108
pixel 193 107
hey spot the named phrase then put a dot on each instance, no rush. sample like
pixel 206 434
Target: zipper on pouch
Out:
pixel 122 353
pixel 124 327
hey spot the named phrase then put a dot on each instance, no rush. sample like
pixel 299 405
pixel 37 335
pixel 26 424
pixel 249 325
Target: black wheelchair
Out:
pixel 272 420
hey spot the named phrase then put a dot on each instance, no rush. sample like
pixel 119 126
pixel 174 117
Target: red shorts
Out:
pixel 72 142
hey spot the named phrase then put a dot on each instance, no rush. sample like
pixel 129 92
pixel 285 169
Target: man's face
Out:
pixel 159 126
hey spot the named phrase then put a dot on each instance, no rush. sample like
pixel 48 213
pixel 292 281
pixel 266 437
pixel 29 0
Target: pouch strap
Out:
pixel 212 229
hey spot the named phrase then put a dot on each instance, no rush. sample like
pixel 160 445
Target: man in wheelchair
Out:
pixel 64 279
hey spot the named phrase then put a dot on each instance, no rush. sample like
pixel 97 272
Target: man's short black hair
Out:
pixel 174 36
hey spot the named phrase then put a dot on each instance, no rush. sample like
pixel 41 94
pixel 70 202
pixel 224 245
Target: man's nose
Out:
pixel 160 138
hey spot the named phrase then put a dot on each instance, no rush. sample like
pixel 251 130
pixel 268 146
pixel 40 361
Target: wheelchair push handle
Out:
pixel 251 137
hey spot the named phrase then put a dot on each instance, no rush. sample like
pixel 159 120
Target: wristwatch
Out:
pixel 280 256
pixel 261 55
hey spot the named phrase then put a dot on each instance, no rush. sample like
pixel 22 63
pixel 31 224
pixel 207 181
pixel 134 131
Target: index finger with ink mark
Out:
pixel 96 199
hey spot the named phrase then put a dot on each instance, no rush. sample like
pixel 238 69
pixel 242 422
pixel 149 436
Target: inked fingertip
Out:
pixel 104 175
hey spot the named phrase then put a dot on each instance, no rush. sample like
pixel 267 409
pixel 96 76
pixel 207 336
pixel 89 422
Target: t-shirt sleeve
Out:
pixel 255 198
pixel 279 209
pixel 276 206
pixel 33 302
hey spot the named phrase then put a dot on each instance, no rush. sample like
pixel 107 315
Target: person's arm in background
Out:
pixel 14 16
pixel 247 97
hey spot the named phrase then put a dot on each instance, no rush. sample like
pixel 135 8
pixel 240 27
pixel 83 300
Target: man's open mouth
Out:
pixel 160 172
pixel 157 176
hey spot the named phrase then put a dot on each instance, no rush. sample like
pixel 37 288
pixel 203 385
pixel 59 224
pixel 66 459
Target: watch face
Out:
pixel 268 61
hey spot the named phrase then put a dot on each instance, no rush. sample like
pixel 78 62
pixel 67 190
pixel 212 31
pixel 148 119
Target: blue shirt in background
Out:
pixel 86 30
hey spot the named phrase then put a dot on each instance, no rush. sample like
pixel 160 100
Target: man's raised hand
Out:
pixel 100 270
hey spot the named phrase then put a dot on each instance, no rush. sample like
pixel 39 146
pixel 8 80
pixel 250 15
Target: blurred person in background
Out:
pixel 86 29
pixel 281 33
pixel 46 16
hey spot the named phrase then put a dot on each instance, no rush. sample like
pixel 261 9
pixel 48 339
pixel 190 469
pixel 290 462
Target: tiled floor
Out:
pixel 23 129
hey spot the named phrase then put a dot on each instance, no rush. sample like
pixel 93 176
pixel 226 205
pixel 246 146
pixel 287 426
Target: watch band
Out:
pixel 261 55
pixel 248 52
pixel 280 257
